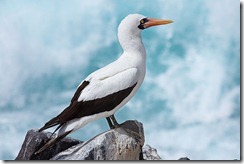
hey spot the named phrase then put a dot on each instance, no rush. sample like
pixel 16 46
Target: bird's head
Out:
pixel 135 23
pixel 129 31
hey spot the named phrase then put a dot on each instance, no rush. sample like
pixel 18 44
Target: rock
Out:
pixel 184 159
pixel 34 140
pixel 123 143
pixel 150 153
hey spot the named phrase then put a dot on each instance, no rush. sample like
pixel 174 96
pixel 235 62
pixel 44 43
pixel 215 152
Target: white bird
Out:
pixel 106 90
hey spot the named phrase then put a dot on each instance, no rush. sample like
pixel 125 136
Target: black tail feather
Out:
pixel 57 129
pixel 52 141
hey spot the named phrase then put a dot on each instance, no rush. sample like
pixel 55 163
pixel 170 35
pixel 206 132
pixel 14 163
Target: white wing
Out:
pixel 101 86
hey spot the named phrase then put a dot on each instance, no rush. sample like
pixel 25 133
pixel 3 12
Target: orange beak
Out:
pixel 155 22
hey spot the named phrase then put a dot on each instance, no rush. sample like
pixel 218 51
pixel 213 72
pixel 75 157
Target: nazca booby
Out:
pixel 106 90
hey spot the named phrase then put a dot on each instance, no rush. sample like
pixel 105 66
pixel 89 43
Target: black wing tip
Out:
pixel 41 129
pixel 49 124
pixel 51 142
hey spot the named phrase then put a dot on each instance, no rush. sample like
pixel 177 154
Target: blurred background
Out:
pixel 189 102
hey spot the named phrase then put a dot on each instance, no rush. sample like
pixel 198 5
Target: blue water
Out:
pixel 189 102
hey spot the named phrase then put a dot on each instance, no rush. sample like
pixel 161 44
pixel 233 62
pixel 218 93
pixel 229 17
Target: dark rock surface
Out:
pixel 184 159
pixel 34 140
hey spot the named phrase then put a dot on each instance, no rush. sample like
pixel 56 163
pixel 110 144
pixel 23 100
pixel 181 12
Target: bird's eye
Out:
pixel 142 23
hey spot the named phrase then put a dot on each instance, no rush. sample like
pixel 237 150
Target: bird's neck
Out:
pixel 131 42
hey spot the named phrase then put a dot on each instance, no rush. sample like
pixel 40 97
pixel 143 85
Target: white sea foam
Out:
pixel 42 38
pixel 195 89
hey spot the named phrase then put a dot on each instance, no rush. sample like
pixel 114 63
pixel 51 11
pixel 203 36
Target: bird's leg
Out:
pixel 110 123
pixel 116 125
